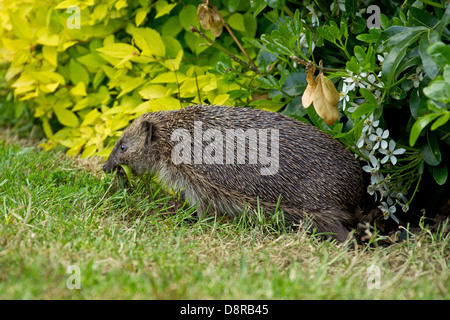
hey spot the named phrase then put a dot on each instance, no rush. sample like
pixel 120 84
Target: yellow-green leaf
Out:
pixel 127 171
pixel 47 39
pixel 20 25
pixel 141 14
pixel 77 72
pixel 153 91
pixel 48 77
pixel 48 88
pixel 163 8
pixel 149 41
pixel 50 54
pixel 118 50
pixel 79 89
pixel 65 117
pixel 169 77
pixel 221 99
pixel 100 12
pixel 89 151
pixel 90 117
pixel 129 85
pixel 67 3
pixel 47 128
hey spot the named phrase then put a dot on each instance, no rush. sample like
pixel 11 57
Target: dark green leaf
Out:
pixel 384 22
pixel 441 121
pixel 440 174
pixel 423 17
pixel 295 107
pixel 396 34
pixel 276 4
pixel 438 90
pixel 429 66
pixel 419 125
pixel 295 84
pixel 394 58
pixel 257 6
pixel 358 25
pixel 417 103
pixel 368 96
pixel 430 150
pixel 440 53
pixel 353 66
pixel 445 21
pixel 351 6
pixel 363 109
pixel 411 59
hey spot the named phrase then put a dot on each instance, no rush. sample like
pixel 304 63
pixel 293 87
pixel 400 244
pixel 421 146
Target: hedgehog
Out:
pixel 231 160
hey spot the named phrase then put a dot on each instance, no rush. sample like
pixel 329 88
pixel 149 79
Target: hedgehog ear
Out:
pixel 147 130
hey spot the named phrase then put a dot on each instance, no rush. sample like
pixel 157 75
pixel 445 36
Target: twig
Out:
pixel 237 41
pixel 310 64
pixel 194 29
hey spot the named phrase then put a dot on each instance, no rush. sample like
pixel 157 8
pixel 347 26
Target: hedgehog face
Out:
pixel 132 148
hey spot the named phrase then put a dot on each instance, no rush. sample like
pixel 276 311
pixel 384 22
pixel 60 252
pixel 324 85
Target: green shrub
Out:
pixel 126 58
pixel 394 83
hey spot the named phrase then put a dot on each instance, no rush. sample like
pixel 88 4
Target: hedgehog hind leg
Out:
pixel 333 222
pixel 330 222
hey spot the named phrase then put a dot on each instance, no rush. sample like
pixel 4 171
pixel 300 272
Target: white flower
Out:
pixel 398 195
pixel 359 78
pixel 345 98
pixel 314 16
pixel 370 124
pixel 372 190
pixel 388 211
pixel 361 141
pixel 353 108
pixel 417 77
pixel 381 57
pixel 365 146
pixel 378 180
pixel 379 138
pixel 405 208
pixel 377 94
pixel 384 187
pixel 391 153
pixel 348 85
pixel 371 78
pixel 341 5
pixel 401 199
pixel 373 167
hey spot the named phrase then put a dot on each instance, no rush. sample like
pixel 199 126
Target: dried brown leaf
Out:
pixel 308 95
pixel 324 100
pixel 204 16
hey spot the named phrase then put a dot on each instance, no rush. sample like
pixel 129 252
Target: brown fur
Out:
pixel 317 176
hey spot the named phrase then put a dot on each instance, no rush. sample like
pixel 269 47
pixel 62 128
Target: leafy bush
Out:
pixel 393 80
pixel 85 74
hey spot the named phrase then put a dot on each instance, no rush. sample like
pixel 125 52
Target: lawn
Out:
pixel 65 225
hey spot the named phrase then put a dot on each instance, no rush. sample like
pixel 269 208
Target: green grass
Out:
pixel 55 213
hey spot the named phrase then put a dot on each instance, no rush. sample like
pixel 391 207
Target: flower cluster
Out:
pixel 361 81
pixel 376 145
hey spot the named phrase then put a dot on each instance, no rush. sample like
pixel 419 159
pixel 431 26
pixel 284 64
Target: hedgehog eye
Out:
pixel 123 147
